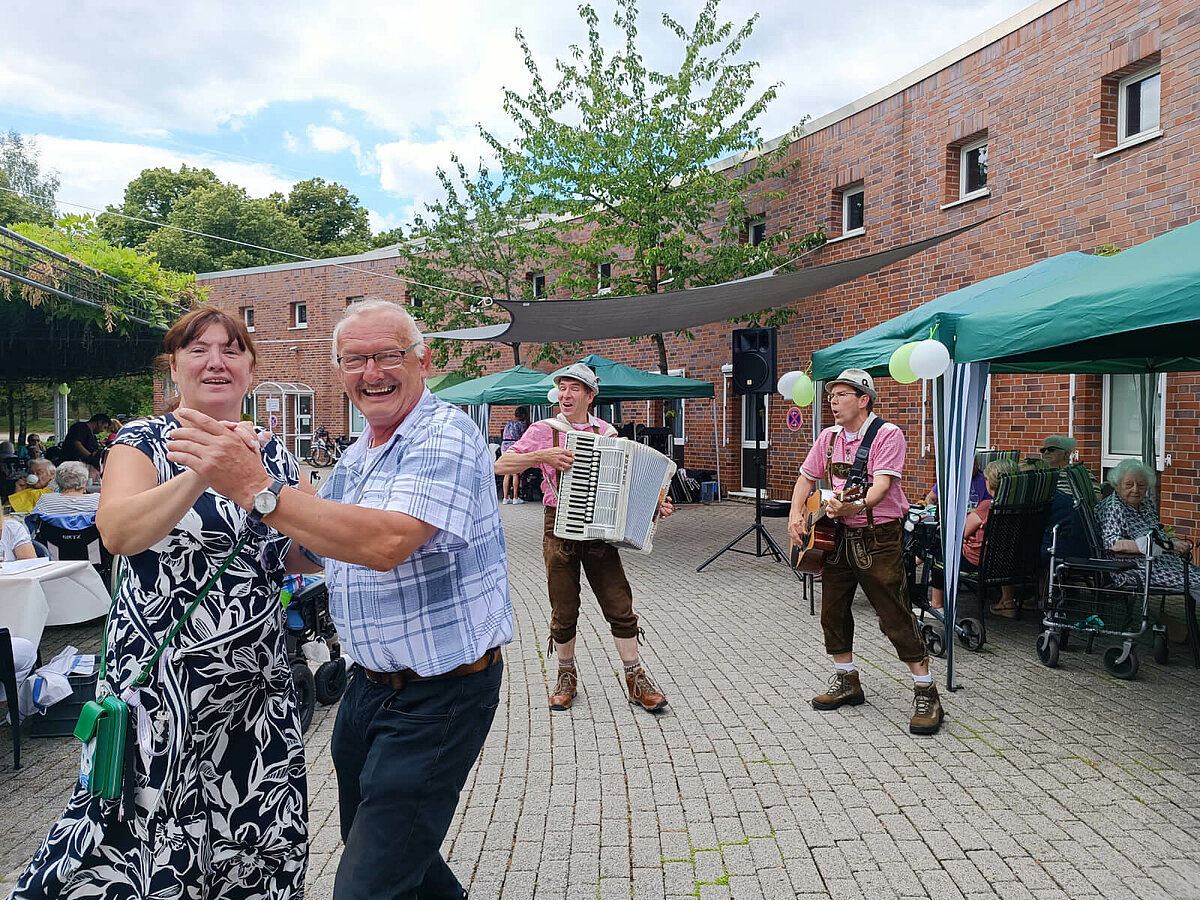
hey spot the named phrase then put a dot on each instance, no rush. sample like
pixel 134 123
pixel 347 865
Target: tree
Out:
pixel 329 216
pixel 20 171
pixel 627 152
pixel 481 240
pixel 150 198
pixel 387 238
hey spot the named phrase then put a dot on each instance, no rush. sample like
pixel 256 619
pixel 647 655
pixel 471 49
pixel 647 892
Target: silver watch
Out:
pixel 266 500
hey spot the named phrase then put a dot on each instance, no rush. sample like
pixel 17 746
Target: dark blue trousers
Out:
pixel 402 758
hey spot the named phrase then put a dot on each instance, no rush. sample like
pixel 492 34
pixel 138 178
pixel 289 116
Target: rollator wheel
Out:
pixel 1161 654
pixel 306 693
pixel 330 681
pixel 971 633
pixel 1125 669
pixel 934 642
pixel 1047 649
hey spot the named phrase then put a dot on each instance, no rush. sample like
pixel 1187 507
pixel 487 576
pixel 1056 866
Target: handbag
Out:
pixel 106 761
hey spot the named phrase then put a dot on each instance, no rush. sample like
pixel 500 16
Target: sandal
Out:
pixel 1009 609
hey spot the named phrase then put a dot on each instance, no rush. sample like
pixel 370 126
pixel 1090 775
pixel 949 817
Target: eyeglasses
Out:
pixel 385 359
pixel 1051 449
pixel 838 396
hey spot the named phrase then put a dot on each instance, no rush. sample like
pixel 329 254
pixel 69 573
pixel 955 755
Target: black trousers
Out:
pixel 402 758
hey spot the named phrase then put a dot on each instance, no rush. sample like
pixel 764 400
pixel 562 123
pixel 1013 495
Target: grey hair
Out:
pixel 1131 467
pixel 72 476
pixel 45 463
pixel 374 305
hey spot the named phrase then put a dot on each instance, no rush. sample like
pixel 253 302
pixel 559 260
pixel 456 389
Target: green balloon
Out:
pixel 802 390
pixel 899 367
pixel 64 389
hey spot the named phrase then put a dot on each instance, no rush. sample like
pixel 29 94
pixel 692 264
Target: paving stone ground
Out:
pixel 1043 783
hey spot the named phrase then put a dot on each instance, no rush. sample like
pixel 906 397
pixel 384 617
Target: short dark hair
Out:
pixel 101 418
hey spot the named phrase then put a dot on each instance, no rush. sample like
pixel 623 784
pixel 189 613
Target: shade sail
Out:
pixel 491 389
pixel 1138 311
pixel 542 321
pixel 621 382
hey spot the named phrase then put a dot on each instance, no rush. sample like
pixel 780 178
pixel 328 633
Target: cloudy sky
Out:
pixel 376 95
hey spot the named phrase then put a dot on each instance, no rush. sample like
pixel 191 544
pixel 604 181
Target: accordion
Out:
pixel 613 491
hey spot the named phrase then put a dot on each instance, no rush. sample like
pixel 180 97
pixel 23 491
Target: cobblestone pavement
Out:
pixel 1043 783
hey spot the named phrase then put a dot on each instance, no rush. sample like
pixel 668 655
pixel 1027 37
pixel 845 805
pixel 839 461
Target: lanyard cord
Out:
pixel 149 666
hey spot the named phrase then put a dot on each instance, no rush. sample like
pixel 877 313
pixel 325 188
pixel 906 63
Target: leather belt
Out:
pixel 397 680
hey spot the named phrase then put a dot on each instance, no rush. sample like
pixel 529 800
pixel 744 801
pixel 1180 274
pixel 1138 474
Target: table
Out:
pixel 57 593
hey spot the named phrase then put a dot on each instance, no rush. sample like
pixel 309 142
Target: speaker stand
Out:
pixel 761 535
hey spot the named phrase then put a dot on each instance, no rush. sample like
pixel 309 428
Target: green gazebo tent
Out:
pixel 1137 312
pixel 621 382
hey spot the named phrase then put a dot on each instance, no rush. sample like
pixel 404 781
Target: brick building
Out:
pixel 1077 122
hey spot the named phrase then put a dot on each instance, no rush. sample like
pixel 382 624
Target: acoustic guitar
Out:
pixel 822 530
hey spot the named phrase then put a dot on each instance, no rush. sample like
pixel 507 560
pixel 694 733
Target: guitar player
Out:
pixel 868 544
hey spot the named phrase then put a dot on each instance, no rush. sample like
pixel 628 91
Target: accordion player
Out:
pixel 613 491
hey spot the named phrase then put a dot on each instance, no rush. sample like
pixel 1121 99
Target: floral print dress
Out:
pixel 221 797
pixel 1119 521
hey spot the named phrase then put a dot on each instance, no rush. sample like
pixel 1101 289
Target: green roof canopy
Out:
pixel 437 383
pixel 621 382
pixel 1138 311
pixel 494 389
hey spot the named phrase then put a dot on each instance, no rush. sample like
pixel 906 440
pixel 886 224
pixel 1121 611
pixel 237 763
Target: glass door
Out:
pixel 303 430
pixel 752 425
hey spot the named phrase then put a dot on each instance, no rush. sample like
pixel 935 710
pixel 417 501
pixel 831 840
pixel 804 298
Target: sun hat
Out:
pixel 1059 442
pixel 581 373
pixel 857 379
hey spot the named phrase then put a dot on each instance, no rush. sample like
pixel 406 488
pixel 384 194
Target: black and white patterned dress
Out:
pixel 221 808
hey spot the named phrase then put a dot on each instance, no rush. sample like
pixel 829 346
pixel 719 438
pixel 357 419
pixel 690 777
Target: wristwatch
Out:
pixel 266 500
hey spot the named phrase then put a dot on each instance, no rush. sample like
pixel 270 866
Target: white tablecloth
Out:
pixel 58 593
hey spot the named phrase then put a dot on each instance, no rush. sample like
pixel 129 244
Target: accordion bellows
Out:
pixel 613 491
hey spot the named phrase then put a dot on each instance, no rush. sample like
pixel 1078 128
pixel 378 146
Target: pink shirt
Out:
pixel 540 436
pixel 972 547
pixel 886 458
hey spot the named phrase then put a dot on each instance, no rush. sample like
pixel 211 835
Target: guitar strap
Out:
pixel 858 468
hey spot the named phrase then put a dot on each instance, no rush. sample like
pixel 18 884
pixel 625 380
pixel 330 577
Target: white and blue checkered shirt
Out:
pixel 448 603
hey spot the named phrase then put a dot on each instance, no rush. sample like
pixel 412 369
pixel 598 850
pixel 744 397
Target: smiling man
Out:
pixel 541 446
pixel 418 588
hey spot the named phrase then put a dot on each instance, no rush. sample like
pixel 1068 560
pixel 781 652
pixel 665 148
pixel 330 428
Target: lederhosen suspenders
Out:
pixel 858 468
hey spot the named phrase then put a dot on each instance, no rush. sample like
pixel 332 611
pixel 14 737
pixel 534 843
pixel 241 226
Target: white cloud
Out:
pixel 409 168
pixel 290 143
pixel 95 173
pixel 326 139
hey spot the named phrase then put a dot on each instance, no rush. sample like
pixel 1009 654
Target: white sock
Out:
pixel 844 667
pixel 923 679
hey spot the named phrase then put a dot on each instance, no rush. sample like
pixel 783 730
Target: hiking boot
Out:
pixel 844 687
pixel 927 710
pixel 564 688
pixel 642 690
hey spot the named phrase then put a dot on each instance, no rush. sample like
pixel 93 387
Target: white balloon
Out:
pixel 787 381
pixel 929 359
pixel 552 395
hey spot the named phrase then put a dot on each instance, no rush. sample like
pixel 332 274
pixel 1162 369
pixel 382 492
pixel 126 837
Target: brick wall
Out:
pixel 1045 97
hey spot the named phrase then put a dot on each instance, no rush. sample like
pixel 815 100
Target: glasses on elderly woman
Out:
pixel 1053 450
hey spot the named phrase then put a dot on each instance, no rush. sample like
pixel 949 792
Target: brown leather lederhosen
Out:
pixel 870 557
pixel 601 563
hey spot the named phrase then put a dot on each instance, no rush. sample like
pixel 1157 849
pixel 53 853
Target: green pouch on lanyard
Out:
pixel 104 723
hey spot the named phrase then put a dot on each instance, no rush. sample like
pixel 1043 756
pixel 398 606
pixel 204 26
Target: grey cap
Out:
pixel 857 379
pixel 581 373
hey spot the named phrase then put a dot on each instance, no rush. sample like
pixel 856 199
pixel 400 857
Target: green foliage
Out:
pixel 316 219
pixel 141 279
pixel 20 171
pixel 481 240
pixel 387 238
pixel 330 217
pixel 627 152
pixel 124 397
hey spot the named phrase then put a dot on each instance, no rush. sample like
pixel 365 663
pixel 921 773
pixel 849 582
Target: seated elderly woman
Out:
pixel 41 476
pixel 73 501
pixel 1127 516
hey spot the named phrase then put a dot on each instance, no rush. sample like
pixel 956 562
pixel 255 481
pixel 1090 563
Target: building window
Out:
pixel 358 422
pixel 756 231
pixel 299 315
pixel 350 301
pixel 852 210
pixel 249 413
pixel 973 169
pixel 415 301
pixel 537 284
pixel 1122 420
pixel 248 317
pixel 1138 104
pixel 603 278
pixel 983 436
